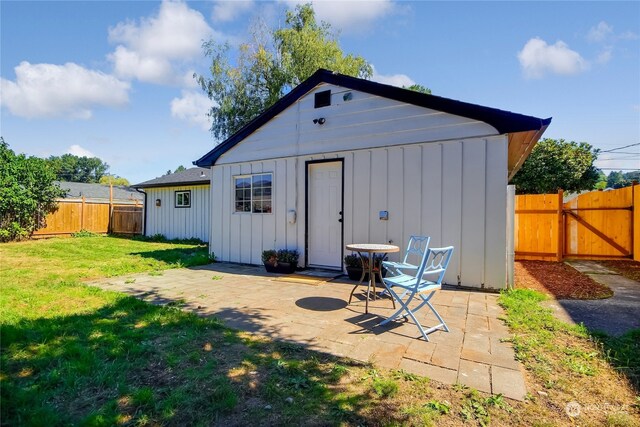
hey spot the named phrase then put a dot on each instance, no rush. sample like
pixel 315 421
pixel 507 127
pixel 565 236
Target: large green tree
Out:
pixel 268 66
pixel 556 164
pixel 69 167
pixel 27 193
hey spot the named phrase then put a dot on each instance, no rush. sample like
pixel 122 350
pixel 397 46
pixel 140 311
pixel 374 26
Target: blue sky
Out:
pixel 113 79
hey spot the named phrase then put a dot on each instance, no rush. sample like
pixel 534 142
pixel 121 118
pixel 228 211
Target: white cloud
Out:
pixel 225 11
pixel 538 58
pixel 399 80
pixel 77 150
pixel 129 64
pixel 193 108
pixel 155 48
pixel 599 32
pixel 628 35
pixel 48 90
pixel 350 16
pixel 605 55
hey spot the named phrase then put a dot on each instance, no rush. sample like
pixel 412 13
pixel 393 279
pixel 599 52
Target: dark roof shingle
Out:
pixel 191 176
pixel 99 191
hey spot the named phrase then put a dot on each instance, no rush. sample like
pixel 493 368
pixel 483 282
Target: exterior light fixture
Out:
pixel 319 121
pixel 158 202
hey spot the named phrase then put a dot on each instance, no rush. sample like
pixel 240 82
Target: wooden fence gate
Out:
pixel 595 225
pixel 126 219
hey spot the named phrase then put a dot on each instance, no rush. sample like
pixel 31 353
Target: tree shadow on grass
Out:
pixel 623 354
pixel 179 257
pixel 133 362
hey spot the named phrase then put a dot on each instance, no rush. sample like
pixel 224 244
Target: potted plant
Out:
pixel 287 260
pixel 270 260
pixel 354 266
pixel 282 261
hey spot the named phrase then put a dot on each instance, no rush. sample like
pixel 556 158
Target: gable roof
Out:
pixel 505 122
pixel 191 176
pixel 98 191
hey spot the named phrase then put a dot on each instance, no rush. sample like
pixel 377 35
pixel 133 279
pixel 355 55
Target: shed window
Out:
pixel 322 99
pixel 253 193
pixel 183 199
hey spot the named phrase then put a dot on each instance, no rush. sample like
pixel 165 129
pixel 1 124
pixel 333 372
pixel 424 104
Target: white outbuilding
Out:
pixel 177 205
pixel 342 160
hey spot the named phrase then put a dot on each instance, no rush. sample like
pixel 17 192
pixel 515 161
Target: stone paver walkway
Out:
pixel 318 317
pixel 615 315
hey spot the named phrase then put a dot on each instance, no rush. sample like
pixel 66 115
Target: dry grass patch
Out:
pixel 565 364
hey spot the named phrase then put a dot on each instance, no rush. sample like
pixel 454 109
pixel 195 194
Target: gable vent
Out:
pixel 322 99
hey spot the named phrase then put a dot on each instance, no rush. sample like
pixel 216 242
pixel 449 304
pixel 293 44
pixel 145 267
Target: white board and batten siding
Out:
pixel 436 174
pixel 177 222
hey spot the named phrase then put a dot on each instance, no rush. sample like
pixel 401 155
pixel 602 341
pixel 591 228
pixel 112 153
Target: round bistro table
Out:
pixel 370 248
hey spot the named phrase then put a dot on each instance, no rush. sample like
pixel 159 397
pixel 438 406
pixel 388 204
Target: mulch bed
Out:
pixel 627 268
pixel 558 280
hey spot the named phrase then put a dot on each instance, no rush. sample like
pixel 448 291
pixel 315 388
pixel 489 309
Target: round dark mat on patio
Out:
pixel 321 303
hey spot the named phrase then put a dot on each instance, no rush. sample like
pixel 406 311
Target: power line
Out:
pixel 629 157
pixel 620 148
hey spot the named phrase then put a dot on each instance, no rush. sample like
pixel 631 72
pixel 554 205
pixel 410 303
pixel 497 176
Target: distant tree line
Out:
pixel 621 179
pixel 90 170
pixel 178 169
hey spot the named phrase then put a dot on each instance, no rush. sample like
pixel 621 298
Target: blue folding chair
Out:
pixel 404 288
pixel 416 248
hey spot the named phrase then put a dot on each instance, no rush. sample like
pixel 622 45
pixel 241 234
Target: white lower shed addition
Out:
pixel 453 191
pixel 179 212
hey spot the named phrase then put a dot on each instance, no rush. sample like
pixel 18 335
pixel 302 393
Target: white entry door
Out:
pixel 324 195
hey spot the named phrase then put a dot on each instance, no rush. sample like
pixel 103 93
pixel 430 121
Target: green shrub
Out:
pixel 27 193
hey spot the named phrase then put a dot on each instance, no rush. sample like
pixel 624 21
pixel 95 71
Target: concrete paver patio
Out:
pixel 318 317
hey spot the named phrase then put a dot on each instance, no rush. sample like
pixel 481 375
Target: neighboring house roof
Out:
pixel 191 176
pixel 98 191
pixel 528 128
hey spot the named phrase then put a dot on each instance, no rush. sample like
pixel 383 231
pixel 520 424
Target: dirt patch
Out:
pixel 559 280
pixel 627 268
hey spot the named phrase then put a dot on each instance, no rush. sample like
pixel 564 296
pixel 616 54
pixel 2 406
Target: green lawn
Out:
pixel 77 355
pixel 73 354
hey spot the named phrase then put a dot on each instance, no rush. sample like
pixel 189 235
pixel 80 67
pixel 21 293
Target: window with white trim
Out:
pixel 183 199
pixel 253 193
